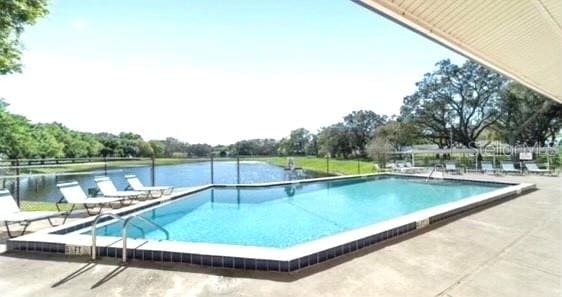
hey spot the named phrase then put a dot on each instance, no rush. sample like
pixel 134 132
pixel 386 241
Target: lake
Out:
pixel 43 188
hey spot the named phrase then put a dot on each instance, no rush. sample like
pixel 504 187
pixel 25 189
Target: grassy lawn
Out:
pixel 339 167
pixel 43 206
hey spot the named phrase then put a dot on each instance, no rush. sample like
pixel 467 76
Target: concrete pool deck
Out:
pixel 511 249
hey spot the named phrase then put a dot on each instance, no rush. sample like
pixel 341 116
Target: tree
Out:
pixel 361 125
pixel 14 16
pixel 158 148
pixel 335 140
pixel 74 146
pixel 298 140
pixel 311 149
pixel 458 102
pixel 93 145
pixel 47 144
pixel 262 147
pixel 379 148
pixel 199 150
pixel 174 146
pixel 391 137
pixel 16 136
pixel 528 117
pixel 398 134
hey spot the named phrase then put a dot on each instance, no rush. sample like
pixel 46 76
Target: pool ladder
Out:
pixel 435 167
pixel 124 228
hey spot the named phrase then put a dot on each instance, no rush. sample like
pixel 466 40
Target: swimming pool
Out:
pixel 281 226
pixel 286 215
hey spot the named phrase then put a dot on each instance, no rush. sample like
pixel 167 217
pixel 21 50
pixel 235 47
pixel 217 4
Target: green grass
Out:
pixel 338 167
pixel 43 206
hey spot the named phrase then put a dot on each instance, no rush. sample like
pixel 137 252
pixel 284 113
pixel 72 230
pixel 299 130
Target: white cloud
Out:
pixel 194 105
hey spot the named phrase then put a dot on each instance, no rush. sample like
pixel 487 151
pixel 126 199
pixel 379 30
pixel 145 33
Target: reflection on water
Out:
pixel 43 188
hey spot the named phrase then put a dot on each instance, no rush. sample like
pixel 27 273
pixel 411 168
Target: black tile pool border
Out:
pixel 224 261
pixel 230 262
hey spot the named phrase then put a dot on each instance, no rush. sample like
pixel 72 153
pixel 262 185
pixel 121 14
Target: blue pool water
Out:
pixel 282 216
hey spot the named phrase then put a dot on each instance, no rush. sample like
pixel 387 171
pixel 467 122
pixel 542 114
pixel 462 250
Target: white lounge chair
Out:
pixel 451 167
pixel 507 167
pixel 488 167
pixel 73 194
pixel 409 168
pixel 533 168
pixel 153 192
pixel 10 213
pixel 108 189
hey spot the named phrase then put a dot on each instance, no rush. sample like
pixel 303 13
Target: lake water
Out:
pixel 43 188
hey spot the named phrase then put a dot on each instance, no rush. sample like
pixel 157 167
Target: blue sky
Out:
pixel 214 71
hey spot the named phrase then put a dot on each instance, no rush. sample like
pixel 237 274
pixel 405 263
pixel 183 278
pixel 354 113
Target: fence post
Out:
pixel 212 170
pixel 18 182
pixel 153 171
pixel 327 164
pixel 238 169
pixel 105 165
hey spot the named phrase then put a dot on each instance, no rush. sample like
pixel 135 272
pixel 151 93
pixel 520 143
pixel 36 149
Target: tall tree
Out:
pixel 335 140
pixel 458 102
pixel 158 148
pixel 298 140
pixel 361 125
pixel 14 16
pixel 528 117
pixel 47 144
pixel 398 134
pixel 16 135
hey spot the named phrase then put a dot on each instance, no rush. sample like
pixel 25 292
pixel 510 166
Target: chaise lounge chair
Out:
pixel 152 192
pixel 108 189
pixel 487 167
pixel 451 167
pixel 507 167
pixel 533 168
pixel 73 194
pixel 397 166
pixel 409 168
pixel 10 213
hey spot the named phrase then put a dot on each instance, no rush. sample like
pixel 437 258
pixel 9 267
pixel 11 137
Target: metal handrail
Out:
pixel 94 235
pixel 433 170
pixel 98 217
pixel 124 232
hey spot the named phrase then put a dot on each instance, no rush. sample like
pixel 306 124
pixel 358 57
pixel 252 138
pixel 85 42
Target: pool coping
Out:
pixel 61 240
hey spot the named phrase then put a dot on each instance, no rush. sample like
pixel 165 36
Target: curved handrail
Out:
pixel 124 232
pixel 94 235
pixel 433 170
pixel 96 220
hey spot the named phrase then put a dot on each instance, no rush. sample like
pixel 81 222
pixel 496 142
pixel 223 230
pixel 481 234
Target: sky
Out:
pixel 214 71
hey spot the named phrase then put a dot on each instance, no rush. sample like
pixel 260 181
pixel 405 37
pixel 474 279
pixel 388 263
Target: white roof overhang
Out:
pixel 521 39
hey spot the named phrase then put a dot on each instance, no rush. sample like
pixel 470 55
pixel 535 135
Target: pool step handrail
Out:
pixel 435 169
pixel 94 234
pixel 126 223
